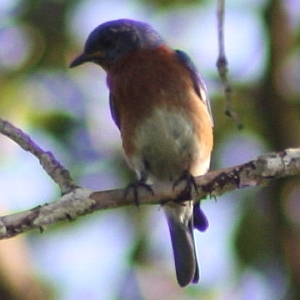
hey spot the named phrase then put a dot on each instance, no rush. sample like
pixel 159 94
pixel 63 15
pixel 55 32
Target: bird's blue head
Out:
pixel 111 40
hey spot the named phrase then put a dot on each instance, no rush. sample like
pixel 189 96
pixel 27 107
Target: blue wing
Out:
pixel 198 82
pixel 113 112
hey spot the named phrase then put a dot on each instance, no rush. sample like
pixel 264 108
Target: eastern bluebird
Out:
pixel 160 106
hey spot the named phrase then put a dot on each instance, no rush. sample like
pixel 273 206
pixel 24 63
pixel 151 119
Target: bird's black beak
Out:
pixel 81 59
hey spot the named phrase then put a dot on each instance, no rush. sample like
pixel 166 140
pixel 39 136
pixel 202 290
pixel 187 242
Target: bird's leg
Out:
pixel 189 183
pixel 134 187
pixel 200 221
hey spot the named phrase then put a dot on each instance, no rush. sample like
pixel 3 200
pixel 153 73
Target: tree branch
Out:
pixel 77 201
pixel 51 165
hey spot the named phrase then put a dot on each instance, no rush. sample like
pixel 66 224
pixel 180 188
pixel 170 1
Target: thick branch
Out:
pixel 81 201
pixel 78 201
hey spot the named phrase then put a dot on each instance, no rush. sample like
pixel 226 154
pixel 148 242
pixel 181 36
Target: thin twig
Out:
pixel 222 65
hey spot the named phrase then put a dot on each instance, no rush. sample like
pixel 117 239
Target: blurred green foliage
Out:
pixel 166 4
pixel 57 123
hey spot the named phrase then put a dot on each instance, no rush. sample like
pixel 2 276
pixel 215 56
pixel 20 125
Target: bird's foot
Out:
pixel 189 183
pixel 134 188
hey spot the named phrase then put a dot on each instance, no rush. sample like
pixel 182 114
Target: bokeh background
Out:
pixel 251 249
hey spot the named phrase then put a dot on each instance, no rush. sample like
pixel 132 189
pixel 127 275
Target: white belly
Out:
pixel 166 147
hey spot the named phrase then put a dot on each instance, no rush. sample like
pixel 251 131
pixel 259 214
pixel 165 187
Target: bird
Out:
pixel 160 105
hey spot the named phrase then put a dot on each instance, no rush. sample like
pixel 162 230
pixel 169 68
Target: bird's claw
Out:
pixel 134 186
pixel 189 183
